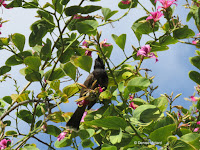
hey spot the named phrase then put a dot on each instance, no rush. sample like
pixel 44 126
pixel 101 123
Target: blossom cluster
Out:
pixel 4 143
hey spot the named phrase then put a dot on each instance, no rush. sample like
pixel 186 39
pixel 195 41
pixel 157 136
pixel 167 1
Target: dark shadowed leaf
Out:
pixel 183 33
pixel 195 61
pixel 4 69
pixel 25 115
pixel 195 76
pixel 53 130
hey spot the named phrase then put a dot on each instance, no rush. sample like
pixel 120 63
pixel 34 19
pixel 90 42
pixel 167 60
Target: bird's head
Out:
pixel 99 63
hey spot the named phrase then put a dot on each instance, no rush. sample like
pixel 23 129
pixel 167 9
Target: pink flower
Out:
pixel 145 51
pixel 85 44
pixel 193 98
pixel 2 2
pixel 0 25
pixel 155 16
pixel 166 3
pixel 195 42
pixel 82 103
pixel 179 114
pixel 100 89
pixel 198 122
pixel 79 17
pixel 84 114
pixel 3 143
pixel 198 34
pixel 196 130
pixel 61 136
pixel 126 2
pixel 88 53
pixel 132 105
pixel 104 44
pixel 131 97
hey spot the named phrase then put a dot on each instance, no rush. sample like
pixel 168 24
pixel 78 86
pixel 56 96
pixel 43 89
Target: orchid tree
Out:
pixel 63 42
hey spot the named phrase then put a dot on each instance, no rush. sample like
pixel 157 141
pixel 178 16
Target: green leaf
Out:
pixel 17 59
pixel 121 86
pixel 86 133
pixel 33 62
pixel 107 13
pixel 64 2
pixel 72 10
pixel 4 70
pixel 108 147
pixel 87 143
pixel 90 9
pixel 63 143
pixel 161 134
pixel 107 50
pixel 45 53
pixel 146 113
pixel 55 85
pixel 22 97
pixel 56 117
pixel 192 139
pixel 115 136
pixel 84 62
pixel 69 69
pixel 7 122
pixel 29 148
pixel 167 39
pixel 25 115
pixel 105 95
pixel 155 46
pixel 33 4
pixel 33 76
pixel 14 3
pixel 111 122
pixel 198 105
pixel 161 103
pixel 137 84
pixel 183 33
pixel 120 41
pixel 57 6
pixel 19 41
pixel 4 41
pixel 126 6
pixel 141 26
pixel 87 27
pixel 11 133
pixel 195 61
pixel 53 130
pixel 57 74
pixel 195 76
pixel 72 89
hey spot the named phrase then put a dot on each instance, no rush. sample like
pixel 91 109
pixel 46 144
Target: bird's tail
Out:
pixel 75 120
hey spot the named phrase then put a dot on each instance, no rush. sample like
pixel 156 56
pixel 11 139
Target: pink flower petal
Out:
pixel 196 130
pixel 132 105
pixel 61 136
pixel 198 122
pixel 126 2
pixel 194 42
pixel 193 98
pixel 84 114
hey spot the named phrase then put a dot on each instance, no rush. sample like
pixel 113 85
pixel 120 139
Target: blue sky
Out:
pixel 171 71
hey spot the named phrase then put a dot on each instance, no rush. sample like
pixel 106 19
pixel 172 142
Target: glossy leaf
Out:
pixel 161 103
pixel 7 99
pixel 183 33
pixel 33 62
pixel 19 41
pixel 4 70
pixel 111 122
pixel 11 133
pixel 25 115
pixel 107 13
pixel 195 61
pixel 84 62
pixel 45 53
pixel 69 69
pixel 195 76
pixel 86 133
pixel 53 130
pixel 161 134
pixel 87 143
pixel 63 143
pixel 72 89
pixel 120 41
pixel 146 113
pixel 57 74
pixel 137 84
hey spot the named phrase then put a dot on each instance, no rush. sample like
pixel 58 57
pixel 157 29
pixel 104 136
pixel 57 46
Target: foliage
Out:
pixel 131 118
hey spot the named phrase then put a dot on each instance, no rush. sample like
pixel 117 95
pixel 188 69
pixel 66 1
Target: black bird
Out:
pixel 95 79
